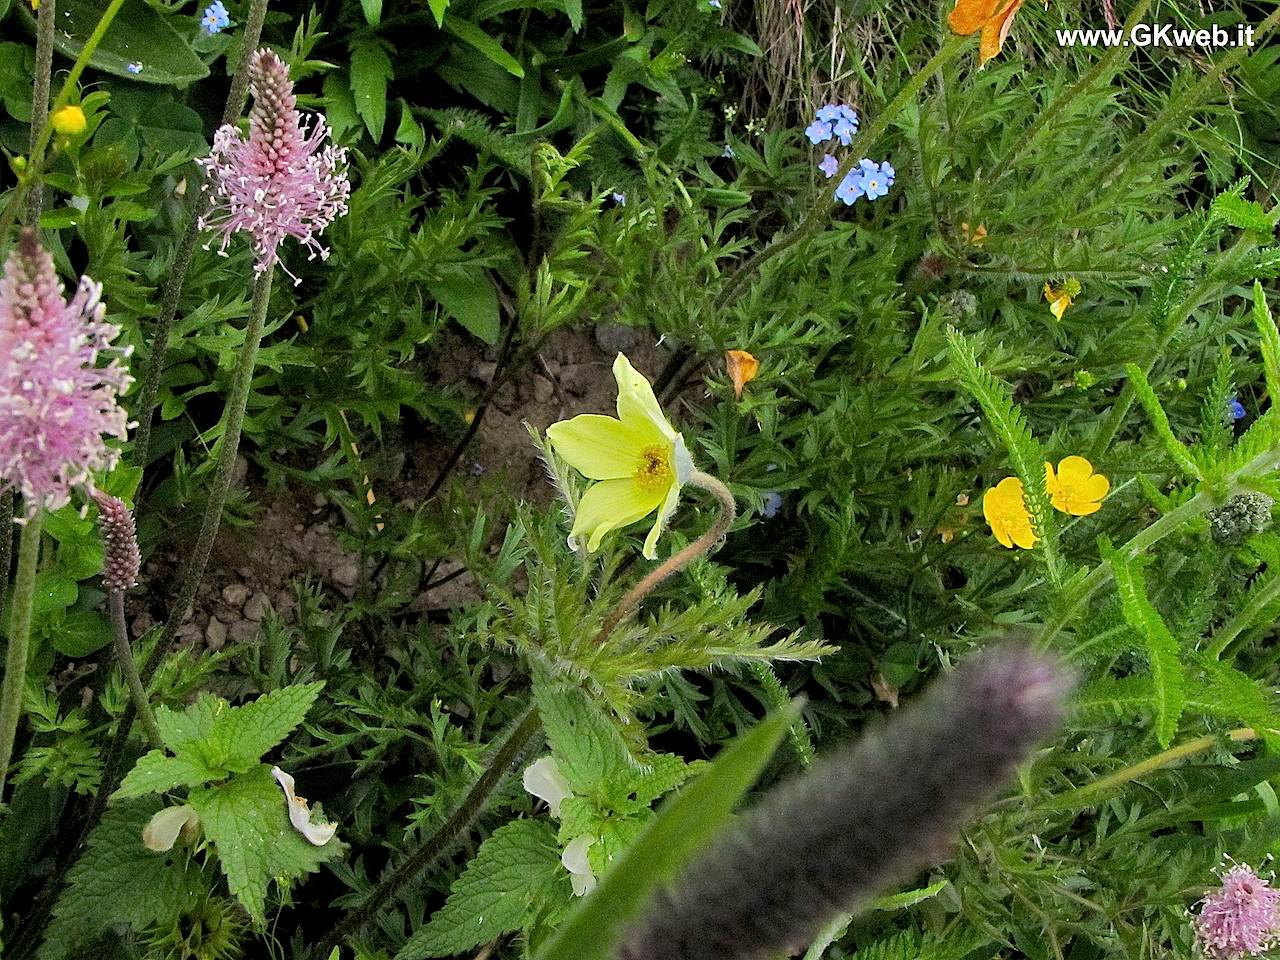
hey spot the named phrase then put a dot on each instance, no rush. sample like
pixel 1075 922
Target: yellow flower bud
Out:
pixel 69 120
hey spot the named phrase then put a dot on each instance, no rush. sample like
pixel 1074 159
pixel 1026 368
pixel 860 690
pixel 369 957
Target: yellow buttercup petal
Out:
pixel 1074 488
pixel 600 447
pixel 636 400
pixel 664 515
pixel 611 504
pixel 1004 507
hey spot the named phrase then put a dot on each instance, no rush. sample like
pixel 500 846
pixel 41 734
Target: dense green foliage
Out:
pixel 537 184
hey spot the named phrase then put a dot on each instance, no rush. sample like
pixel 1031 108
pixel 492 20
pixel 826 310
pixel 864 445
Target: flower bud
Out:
pixel 121 560
pixel 69 120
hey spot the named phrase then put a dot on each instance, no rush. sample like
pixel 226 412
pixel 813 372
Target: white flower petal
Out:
pixel 161 831
pixel 317 834
pixel 576 861
pixel 543 779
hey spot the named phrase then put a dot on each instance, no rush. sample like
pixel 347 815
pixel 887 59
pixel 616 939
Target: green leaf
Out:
pixel 156 773
pixel 573 8
pixel 119 881
pixel 588 747
pixel 471 300
pixel 511 871
pixel 909 898
pixel 409 131
pixel 1270 340
pixel 340 106
pixel 241 735
pixel 81 633
pixel 682 827
pixel 184 729
pixel 370 70
pixel 138 34
pixel 438 7
pixel 246 821
pixel 372 11
pixel 1174 447
pixel 1167 673
pixel 1242 214
pixel 472 35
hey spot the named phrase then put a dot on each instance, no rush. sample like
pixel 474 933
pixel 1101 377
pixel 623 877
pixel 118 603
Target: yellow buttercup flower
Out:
pixel 1075 488
pixel 1005 508
pixel 69 120
pixel 638 459
pixel 1061 297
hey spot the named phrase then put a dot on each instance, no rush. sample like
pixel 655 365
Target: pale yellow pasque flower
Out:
pixel 638 459
pixel 317 834
pixel 1005 508
pixel 1074 488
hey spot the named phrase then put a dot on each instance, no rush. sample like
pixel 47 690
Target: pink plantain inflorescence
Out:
pixel 283 181
pixel 58 398
pixel 121 557
pixel 1241 918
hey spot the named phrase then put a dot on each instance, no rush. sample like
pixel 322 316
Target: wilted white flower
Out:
pixel 163 829
pixel 300 815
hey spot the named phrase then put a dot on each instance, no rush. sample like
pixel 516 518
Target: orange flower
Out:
pixel 742 368
pixel 992 17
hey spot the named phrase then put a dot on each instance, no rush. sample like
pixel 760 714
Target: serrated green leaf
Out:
pixel 183 729
pixel 682 827
pixel 472 35
pixel 1243 214
pixel 370 70
pixel 246 821
pixel 588 747
pixel 139 34
pixel 155 773
pixel 472 301
pixel 573 9
pixel 1167 673
pixel 119 881
pixel 241 735
pixel 511 871
pixel 1269 340
pixel 1235 695
pixel 1174 447
pixel 438 7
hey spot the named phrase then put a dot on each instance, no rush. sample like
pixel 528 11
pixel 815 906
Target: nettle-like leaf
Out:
pixel 247 823
pixel 370 71
pixel 513 872
pixel 587 744
pixel 1167 673
pixel 119 881
pixel 211 739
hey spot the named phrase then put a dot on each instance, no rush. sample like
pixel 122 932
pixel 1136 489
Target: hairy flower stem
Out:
pixel 172 292
pixel 40 97
pixel 124 652
pixel 35 163
pixel 443 839
pixel 678 561
pixel 233 422
pixel 1082 796
pixel 6 543
pixel 15 664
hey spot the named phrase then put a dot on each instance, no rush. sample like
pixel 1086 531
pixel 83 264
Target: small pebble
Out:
pixel 235 595
pixel 255 607
pixel 215 634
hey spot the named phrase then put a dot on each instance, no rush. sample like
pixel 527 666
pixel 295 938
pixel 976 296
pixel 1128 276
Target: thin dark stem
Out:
pixel 124 653
pixel 678 561
pixel 440 842
pixel 233 422
pixel 177 273
pixel 40 98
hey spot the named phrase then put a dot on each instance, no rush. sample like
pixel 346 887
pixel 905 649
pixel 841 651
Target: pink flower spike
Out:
pixel 121 559
pixel 281 182
pixel 57 402
pixel 1240 919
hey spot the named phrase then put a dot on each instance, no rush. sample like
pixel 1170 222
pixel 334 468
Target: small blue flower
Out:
pixel 1235 410
pixel 772 504
pixel 830 113
pixel 215 18
pixel 818 132
pixel 845 129
pixel 829 165
pixel 728 153
pixel 135 68
pixel 848 113
pixel 850 188
pixel 714 4
pixel 620 199
pixel 876 178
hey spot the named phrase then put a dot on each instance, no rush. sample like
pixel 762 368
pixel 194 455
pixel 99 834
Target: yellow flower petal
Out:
pixel 1075 488
pixel 664 515
pixel 611 504
pixel 1005 509
pixel 602 448
pixel 636 401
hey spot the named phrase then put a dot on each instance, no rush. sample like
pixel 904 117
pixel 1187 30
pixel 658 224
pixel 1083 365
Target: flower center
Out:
pixel 654 468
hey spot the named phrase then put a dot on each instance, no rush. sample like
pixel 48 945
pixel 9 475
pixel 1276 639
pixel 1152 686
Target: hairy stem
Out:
pixel 6 543
pixel 15 664
pixel 124 653
pixel 182 257
pixel 445 836
pixel 678 561
pixel 1165 758
pixel 233 422
pixel 40 97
